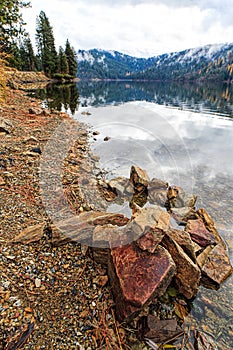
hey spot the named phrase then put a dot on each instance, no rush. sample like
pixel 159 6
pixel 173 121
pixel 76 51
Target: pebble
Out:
pixel 37 283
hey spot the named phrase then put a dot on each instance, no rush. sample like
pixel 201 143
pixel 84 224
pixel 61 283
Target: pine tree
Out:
pixel 63 67
pixel 11 22
pixel 29 62
pixel 46 45
pixel 71 59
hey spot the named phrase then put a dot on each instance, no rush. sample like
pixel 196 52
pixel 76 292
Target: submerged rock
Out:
pixel 178 198
pixel 215 263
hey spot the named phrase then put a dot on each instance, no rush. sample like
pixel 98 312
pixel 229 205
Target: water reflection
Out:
pixel 211 98
pixel 204 98
pixel 60 97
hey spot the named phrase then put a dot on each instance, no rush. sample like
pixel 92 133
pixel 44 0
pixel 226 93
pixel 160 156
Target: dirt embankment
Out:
pixel 26 80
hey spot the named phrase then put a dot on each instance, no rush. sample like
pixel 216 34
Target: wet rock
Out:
pixel 182 215
pixel 139 178
pixel 122 186
pixel 199 233
pixel 153 217
pixel 159 330
pixel 188 274
pixel 215 264
pixel 107 138
pixel 137 277
pixel 209 224
pixel 150 240
pixel 184 240
pixel 6 126
pixel 30 234
pixel 157 196
pixel 178 198
pixel 157 184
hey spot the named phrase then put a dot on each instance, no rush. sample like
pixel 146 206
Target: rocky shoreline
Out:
pixel 56 293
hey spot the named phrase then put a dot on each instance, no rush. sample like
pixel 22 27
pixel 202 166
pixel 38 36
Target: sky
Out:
pixel 140 28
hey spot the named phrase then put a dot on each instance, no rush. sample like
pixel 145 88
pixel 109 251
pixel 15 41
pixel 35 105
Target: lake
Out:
pixel 181 133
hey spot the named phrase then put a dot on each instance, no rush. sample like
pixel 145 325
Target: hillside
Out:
pixel 100 64
pixel 211 62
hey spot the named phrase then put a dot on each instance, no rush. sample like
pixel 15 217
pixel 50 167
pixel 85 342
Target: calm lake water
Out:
pixel 182 133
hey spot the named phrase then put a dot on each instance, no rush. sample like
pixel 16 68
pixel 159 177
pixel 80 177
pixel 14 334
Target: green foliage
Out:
pixel 63 67
pixel 28 59
pixel 11 22
pixel 46 45
pixel 61 76
pixel 71 59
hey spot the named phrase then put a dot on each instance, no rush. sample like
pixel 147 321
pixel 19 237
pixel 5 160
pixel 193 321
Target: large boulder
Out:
pixel 137 277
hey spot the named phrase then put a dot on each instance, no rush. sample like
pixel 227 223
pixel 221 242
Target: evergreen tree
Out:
pixel 46 45
pixel 11 22
pixel 27 56
pixel 63 67
pixel 71 59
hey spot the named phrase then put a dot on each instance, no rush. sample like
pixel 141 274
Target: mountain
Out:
pixel 211 62
pixel 101 64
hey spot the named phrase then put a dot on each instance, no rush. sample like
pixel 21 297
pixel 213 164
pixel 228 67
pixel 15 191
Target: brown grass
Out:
pixel 3 76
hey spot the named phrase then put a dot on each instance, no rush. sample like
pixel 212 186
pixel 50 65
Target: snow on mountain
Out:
pixel 103 64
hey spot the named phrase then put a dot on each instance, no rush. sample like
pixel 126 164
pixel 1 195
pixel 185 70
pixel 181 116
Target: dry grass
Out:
pixel 3 76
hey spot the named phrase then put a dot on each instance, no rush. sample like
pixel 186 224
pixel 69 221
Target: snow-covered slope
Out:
pixel 209 60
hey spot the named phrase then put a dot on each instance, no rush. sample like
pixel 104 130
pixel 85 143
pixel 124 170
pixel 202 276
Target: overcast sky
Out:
pixel 140 28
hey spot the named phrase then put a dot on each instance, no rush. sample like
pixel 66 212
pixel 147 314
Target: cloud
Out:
pixel 137 27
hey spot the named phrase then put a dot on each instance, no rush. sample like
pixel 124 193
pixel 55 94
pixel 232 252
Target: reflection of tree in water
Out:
pixel 200 97
pixel 192 96
pixel 59 96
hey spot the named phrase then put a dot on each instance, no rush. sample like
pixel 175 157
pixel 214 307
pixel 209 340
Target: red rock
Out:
pixel 199 232
pixel 151 240
pixel 188 273
pixel 137 277
pixel 209 224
